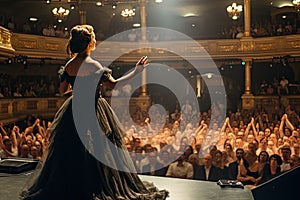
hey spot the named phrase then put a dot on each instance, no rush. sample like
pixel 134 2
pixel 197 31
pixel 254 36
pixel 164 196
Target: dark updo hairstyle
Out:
pixel 277 157
pixel 80 37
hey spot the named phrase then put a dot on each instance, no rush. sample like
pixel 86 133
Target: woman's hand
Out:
pixel 141 64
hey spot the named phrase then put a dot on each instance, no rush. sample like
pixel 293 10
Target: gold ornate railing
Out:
pixel 5 43
pixel 16 109
pixel 245 48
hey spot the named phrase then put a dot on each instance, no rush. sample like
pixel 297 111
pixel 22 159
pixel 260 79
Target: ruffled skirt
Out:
pixel 87 162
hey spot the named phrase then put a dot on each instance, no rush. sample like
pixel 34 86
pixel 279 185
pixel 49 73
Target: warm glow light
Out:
pixel 136 25
pixel 60 12
pixel 297 4
pixel 234 11
pixel 189 15
pixel 128 12
pixel 33 19
pixel 99 3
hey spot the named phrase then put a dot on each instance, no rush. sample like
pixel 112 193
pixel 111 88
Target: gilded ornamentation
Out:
pixel 29 44
pixel 264 46
pixel 52 46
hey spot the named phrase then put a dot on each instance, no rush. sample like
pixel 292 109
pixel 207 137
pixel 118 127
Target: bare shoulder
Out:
pixel 94 63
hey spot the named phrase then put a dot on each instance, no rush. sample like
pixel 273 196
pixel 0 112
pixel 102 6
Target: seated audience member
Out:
pixel 249 171
pixel 283 85
pixel 224 167
pixel 194 160
pixel 154 168
pixel 145 161
pixel 217 159
pixel 234 166
pixel 8 146
pixel 230 153
pixel 270 90
pixel 180 168
pixel 17 92
pixel 164 158
pixel 263 146
pixel 188 150
pixel 207 172
pixel 285 152
pixel 263 159
pixel 263 88
pixel 34 153
pixel 294 161
pixel 25 151
pixel 272 169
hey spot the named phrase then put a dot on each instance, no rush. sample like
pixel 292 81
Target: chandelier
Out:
pixel 128 12
pixel 235 10
pixel 296 3
pixel 60 13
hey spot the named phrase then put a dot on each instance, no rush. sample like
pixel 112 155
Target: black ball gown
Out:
pixel 87 161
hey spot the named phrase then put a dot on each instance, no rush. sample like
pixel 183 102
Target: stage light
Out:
pixel 99 3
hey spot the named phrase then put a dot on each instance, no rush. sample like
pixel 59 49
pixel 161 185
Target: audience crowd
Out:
pixel 258 29
pixel 278 87
pixel 27 86
pixel 262 29
pixel 249 146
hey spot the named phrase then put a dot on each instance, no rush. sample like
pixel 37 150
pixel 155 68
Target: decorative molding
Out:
pixel 247 47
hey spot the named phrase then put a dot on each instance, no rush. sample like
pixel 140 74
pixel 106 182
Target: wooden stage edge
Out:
pixel 180 189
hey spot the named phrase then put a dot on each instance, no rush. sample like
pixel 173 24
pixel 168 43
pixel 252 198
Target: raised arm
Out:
pixel 14 133
pixel 289 124
pixel 3 131
pixel 255 131
pixel 248 128
pixel 147 121
pixel 199 127
pixel 140 65
pixel 229 126
pixel 224 125
pixel 281 132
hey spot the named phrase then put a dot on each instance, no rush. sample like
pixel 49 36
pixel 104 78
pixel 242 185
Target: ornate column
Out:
pixel 247 18
pixel 82 14
pixel 198 85
pixel 248 77
pixel 143 14
pixel 144 100
pixel 247 97
pixel 247 45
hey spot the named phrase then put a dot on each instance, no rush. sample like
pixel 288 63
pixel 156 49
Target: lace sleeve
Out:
pixel 62 73
pixel 105 72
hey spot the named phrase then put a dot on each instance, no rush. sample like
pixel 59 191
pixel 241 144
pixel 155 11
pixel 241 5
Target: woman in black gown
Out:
pixel 86 158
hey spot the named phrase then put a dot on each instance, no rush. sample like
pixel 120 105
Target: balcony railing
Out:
pixel 255 48
pixel 16 109
pixel 5 42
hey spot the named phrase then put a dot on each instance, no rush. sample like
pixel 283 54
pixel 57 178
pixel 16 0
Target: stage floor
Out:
pixel 180 189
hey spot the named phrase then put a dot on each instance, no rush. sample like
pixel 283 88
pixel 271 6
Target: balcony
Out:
pixel 34 46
